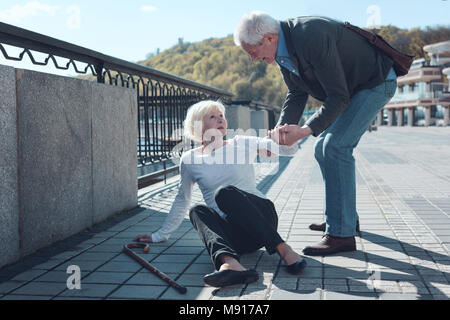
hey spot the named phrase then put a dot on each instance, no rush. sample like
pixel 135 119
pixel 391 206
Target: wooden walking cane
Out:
pixel 148 266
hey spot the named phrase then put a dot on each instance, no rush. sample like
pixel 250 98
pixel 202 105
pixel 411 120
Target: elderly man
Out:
pixel 320 57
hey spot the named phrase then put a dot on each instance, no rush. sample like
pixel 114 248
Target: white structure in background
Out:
pixel 422 97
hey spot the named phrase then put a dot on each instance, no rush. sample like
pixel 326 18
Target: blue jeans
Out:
pixel 334 153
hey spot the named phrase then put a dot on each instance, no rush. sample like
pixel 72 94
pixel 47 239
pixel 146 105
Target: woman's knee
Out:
pixel 224 194
pixel 197 211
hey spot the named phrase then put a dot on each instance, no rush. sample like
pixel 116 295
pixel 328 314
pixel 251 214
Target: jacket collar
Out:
pixel 290 47
pixel 286 29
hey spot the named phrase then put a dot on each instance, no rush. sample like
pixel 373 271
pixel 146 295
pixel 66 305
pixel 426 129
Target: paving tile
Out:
pixel 54 276
pixel 85 266
pixel 8 286
pixel 99 277
pixel 138 292
pixel 192 280
pixel 227 293
pixel 361 289
pixel 344 262
pixel 377 264
pixel 176 258
pixel 331 295
pixel 295 295
pixel 184 250
pixel 25 297
pixel 285 283
pixel 307 272
pixel 254 294
pixel 204 258
pixel 339 273
pixel 335 288
pixel 28 275
pixel 193 293
pixel 89 290
pixel 390 274
pixel 41 289
pixel 120 266
pixel 96 256
pixel 145 277
pixel 441 297
pixel 49 264
pixel 200 268
pixel 402 296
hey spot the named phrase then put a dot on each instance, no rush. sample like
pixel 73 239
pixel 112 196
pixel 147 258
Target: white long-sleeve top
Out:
pixel 232 164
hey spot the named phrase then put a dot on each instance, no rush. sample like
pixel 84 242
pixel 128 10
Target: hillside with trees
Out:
pixel 220 63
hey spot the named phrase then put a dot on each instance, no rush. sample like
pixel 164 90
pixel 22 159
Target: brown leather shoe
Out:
pixel 330 245
pixel 323 226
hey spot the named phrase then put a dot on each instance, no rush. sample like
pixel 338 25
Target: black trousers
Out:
pixel 251 223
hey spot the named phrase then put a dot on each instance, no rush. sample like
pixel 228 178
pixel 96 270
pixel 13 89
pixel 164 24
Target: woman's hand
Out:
pixel 143 238
pixel 266 153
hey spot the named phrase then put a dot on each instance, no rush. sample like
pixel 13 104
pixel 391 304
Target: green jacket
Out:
pixel 333 62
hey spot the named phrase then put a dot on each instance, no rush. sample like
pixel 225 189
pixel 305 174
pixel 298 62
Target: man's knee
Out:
pixel 333 150
pixel 318 149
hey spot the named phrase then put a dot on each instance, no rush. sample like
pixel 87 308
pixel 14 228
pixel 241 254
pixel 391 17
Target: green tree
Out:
pixel 220 63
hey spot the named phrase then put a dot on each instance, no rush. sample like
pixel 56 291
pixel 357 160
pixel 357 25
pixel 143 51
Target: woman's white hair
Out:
pixel 193 124
pixel 252 27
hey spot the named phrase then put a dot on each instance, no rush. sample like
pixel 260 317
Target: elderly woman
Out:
pixel 237 218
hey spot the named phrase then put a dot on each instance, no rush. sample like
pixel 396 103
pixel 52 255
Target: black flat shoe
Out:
pixel 296 267
pixel 230 277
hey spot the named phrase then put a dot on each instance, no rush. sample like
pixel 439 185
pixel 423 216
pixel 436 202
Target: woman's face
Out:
pixel 213 123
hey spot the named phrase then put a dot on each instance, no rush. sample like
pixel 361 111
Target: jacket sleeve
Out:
pixel 294 103
pixel 179 208
pixel 321 52
pixel 257 144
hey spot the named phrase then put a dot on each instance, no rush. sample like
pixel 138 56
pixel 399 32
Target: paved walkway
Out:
pixel 403 181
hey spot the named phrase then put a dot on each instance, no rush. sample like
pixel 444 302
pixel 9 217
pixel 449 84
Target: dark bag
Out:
pixel 402 61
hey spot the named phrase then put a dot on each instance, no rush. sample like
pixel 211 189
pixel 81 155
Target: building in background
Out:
pixel 422 97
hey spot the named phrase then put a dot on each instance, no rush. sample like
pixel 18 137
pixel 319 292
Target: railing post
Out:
pixel 99 71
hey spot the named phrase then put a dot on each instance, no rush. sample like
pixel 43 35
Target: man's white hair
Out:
pixel 252 27
pixel 193 124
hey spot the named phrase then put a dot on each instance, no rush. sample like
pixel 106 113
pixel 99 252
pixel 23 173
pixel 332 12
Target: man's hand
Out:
pixel 289 134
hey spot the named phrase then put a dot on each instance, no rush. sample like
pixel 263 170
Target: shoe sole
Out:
pixel 323 230
pixel 321 253
pixel 224 280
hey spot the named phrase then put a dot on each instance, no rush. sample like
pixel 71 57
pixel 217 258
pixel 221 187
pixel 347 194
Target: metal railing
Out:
pixel 162 98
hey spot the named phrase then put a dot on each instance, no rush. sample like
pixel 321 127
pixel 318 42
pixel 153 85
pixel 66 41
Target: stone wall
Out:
pixel 67 157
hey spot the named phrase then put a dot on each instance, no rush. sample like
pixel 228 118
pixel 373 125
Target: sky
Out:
pixel 131 29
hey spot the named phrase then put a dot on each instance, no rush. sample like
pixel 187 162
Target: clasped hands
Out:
pixel 289 134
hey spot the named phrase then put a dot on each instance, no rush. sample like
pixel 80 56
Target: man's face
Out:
pixel 266 51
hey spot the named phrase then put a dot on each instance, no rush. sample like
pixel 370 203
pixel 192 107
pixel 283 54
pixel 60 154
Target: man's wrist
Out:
pixel 307 130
